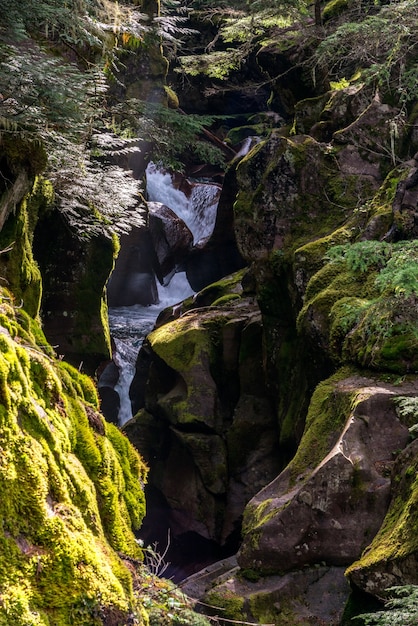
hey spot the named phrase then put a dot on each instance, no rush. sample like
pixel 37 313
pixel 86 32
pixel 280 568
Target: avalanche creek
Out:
pixel 208 314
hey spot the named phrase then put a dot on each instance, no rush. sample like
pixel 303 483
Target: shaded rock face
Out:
pixel 329 513
pixel 219 256
pixel 290 189
pixel 171 239
pixel 212 437
pixel 74 274
pixel 109 398
pixel 132 280
pixel 312 596
pixel 392 557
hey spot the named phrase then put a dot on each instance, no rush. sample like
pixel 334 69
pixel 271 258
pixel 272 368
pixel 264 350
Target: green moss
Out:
pixel 397 537
pixel 221 290
pixel 227 299
pixel 265 611
pixel 72 491
pixel 79 384
pixel 18 265
pixel 172 98
pixel 180 343
pixel 361 305
pixel 232 605
pixel 328 411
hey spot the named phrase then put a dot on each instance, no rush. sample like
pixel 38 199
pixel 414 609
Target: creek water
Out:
pixel 129 325
pixel 197 209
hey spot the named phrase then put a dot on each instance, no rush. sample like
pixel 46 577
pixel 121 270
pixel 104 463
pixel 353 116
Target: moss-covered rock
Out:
pixel 361 306
pixel 332 497
pixel 292 191
pixel 391 558
pixel 18 265
pixel 72 491
pixel 213 432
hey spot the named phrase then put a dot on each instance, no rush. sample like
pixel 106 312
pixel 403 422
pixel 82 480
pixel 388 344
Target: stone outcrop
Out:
pixel 312 596
pixel 213 427
pixel 329 512
pixel 171 238
pixel 392 557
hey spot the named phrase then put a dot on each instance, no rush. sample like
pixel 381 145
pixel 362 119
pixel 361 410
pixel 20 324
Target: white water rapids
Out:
pixel 131 324
pixel 198 211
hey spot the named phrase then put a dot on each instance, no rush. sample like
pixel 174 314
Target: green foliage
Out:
pixel 362 256
pixel 166 605
pixel 401 609
pixel 95 196
pixel 397 264
pixel 241 29
pixel 407 409
pixel 364 303
pixel 171 133
pixel 381 46
pixel 400 276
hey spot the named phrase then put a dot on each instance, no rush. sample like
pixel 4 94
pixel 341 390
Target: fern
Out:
pixel 361 256
pixel 383 46
pixel 400 276
pixel 400 610
pixel 96 197
pixel 407 408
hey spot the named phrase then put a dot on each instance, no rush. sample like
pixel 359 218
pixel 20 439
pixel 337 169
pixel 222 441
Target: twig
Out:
pixel 235 621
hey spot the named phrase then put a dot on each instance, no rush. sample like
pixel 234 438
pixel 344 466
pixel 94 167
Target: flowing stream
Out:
pixel 129 325
pixel 198 211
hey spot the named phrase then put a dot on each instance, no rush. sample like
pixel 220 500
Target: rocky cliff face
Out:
pixel 327 226
pixel 275 408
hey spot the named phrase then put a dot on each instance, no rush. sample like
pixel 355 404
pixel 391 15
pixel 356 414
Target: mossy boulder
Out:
pixel 331 499
pixel 72 490
pixel 211 439
pixel 391 558
pixel 292 191
pixel 361 306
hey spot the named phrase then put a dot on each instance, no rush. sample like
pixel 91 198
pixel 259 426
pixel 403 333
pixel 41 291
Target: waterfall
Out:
pixel 129 325
pixel 197 210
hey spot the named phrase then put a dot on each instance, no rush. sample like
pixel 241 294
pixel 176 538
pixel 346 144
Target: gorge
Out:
pixel 208 314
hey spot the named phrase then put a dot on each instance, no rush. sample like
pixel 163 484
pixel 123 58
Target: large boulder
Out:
pixel 292 190
pixel 314 595
pixel 171 239
pixel 392 557
pixel 208 427
pixel 330 501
